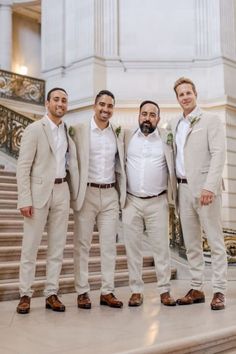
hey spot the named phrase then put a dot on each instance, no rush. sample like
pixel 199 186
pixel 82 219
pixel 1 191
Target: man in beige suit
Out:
pixel 200 156
pixel 47 163
pixel 150 171
pixel 100 157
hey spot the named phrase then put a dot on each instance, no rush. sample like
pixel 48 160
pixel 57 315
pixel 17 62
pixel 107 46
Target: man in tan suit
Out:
pixel 150 171
pixel 100 157
pixel 47 162
pixel 200 156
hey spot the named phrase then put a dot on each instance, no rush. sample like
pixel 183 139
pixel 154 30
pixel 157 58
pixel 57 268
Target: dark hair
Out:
pixel 55 89
pixel 104 92
pixel 151 102
pixel 184 80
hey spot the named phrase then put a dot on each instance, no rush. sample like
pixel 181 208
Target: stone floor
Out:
pixel 151 328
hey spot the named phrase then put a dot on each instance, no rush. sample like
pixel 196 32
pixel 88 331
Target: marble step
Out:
pixel 8 187
pixel 10 290
pixel 10 269
pixel 9 195
pixel 4 173
pixel 12 253
pixel 15 238
pixel 17 225
pixel 7 179
pixel 8 204
pixel 9 214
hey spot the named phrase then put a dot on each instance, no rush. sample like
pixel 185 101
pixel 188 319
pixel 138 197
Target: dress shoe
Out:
pixel 218 302
pixel 83 301
pixel 167 299
pixel 53 303
pixel 136 299
pixel 24 305
pixel 192 297
pixel 110 300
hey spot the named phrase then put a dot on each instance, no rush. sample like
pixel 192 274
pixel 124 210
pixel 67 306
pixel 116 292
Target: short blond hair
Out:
pixel 184 80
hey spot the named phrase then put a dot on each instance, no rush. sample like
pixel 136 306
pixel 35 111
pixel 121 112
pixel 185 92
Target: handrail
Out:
pixel 12 125
pixel 22 88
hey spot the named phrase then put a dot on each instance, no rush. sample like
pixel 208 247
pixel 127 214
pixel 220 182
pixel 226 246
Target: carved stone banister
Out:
pixel 12 125
pixel 22 88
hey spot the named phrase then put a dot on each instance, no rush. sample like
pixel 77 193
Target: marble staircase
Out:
pixel 11 232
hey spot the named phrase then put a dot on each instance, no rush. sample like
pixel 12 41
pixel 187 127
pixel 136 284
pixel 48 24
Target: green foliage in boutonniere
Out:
pixel 193 120
pixel 117 131
pixel 169 138
pixel 71 131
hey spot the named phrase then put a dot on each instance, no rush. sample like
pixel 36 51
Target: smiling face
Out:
pixel 103 108
pixel 148 118
pixel 57 105
pixel 187 98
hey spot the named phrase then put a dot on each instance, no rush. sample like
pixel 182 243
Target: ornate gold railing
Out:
pixel 22 88
pixel 12 125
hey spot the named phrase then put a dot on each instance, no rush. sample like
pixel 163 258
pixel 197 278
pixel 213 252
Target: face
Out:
pixel 186 97
pixel 57 105
pixel 103 109
pixel 148 118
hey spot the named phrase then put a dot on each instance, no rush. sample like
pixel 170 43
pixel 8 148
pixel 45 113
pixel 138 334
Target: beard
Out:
pixel 146 127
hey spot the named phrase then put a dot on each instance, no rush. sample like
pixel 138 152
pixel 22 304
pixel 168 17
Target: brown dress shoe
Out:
pixel 136 299
pixel 83 301
pixel 167 299
pixel 53 303
pixel 24 305
pixel 110 300
pixel 192 297
pixel 218 302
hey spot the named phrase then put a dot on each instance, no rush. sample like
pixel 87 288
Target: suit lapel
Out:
pixel 48 133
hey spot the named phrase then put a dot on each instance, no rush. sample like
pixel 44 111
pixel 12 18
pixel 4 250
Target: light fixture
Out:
pixel 23 70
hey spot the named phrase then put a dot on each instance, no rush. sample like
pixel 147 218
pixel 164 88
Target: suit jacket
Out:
pixel 81 137
pixel 36 167
pixel 168 152
pixel 204 153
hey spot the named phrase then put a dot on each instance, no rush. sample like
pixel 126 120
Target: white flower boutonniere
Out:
pixel 193 120
pixel 71 131
pixel 117 131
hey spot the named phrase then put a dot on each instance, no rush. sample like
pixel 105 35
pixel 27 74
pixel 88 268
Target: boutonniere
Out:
pixel 71 131
pixel 117 131
pixel 193 120
pixel 169 138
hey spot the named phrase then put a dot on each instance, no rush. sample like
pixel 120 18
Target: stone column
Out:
pixel 5 34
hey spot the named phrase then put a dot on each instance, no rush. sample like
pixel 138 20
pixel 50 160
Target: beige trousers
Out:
pixel 193 218
pixel 55 213
pixel 101 206
pixel 153 214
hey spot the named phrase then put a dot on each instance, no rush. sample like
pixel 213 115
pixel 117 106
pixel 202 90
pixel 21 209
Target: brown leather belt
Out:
pixel 106 186
pixel 150 196
pixel 60 180
pixel 182 180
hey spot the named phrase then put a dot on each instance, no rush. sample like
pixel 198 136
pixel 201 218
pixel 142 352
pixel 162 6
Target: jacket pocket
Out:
pixel 35 179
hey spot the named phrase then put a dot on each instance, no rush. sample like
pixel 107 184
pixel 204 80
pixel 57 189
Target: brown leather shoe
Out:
pixel 136 299
pixel 192 297
pixel 83 301
pixel 167 299
pixel 53 303
pixel 24 305
pixel 218 302
pixel 110 300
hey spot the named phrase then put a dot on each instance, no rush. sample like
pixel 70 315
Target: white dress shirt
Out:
pixel 146 165
pixel 182 131
pixel 103 149
pixel 60 145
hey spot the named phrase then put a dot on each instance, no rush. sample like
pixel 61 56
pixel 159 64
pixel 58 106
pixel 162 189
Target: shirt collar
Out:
pixel 195 113
pixel 95 127
pixel 52 125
